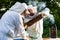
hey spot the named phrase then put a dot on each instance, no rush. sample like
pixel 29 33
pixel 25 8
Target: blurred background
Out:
pixel 53 5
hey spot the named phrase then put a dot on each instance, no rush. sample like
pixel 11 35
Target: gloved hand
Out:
pixel 11 34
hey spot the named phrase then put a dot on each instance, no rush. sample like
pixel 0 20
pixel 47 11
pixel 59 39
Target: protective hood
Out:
pixel 18 7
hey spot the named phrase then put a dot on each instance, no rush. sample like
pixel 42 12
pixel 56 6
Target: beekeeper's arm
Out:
pixel 21 29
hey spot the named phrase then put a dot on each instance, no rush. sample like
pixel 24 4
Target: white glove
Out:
pixel 11 34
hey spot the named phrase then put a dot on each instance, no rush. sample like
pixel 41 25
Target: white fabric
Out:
pixel 36 30
pixel 19 7
pixel 51 17
pixel 24 5
pixel 11 20
pixel 30 7
pixel 46 11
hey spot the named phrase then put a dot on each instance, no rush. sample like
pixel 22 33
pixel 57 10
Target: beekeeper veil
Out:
pixel 18 7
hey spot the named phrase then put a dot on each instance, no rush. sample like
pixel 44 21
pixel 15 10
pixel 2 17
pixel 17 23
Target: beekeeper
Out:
pixel 11 22
pixel 35 29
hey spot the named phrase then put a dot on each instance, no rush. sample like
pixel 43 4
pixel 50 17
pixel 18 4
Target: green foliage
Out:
pixel 55 11
pixel 46 33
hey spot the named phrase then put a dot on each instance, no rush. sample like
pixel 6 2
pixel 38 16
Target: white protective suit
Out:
pixel 36 30
pixel 11 22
